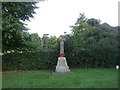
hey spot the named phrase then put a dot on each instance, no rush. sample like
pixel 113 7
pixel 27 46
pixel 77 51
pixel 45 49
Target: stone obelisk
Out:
pixel 62 66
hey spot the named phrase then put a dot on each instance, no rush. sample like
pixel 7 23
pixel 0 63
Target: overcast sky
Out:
pixel 55 16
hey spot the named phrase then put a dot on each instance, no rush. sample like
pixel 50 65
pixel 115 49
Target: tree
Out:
pixel 93 22
pixel 35 42
pixel 45 41
pixel 92 44
pixel 49 43
pixel 52 42
pixel 80 27
pixel 13 27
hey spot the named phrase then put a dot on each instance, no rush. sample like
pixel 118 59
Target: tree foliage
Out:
pixel 90 45
pixel 52 42
pixel 13 28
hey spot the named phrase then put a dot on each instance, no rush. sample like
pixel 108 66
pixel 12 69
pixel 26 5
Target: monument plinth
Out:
pixel 62 66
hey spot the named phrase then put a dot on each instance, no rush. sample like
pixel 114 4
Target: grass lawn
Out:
pixel 80 78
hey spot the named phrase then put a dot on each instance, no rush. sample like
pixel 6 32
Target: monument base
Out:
pixel 62 66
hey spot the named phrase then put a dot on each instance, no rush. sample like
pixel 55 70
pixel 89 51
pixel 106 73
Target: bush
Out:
pixel 29 61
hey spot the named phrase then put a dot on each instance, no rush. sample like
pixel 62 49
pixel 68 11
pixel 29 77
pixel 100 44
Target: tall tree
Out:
pixel 92 44
pixel 35 42
pixel 52 42
pixel 13 27
pixel 93 22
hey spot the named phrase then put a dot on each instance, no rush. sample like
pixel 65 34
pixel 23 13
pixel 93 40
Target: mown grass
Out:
pixel 80 78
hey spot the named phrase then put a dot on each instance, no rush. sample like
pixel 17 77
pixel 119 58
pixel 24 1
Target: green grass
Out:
pixel 80 78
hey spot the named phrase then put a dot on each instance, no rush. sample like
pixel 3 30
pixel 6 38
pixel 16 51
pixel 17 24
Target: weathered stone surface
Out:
pixel 62 66
pixel 62 39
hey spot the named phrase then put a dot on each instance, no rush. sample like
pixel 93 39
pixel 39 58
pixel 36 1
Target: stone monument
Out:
pixel 62 66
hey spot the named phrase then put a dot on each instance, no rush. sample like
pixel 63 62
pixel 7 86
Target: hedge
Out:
pixel 29 61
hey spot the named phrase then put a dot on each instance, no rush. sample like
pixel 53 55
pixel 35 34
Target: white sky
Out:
pixel 55 16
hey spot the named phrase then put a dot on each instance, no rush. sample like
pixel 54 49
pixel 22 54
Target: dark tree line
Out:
pixel 14 32
pixel 90 45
